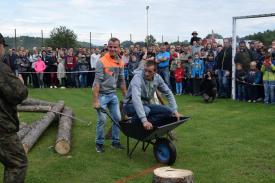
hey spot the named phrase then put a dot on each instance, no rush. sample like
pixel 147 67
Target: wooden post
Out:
pixel 15 44
pixel 171 175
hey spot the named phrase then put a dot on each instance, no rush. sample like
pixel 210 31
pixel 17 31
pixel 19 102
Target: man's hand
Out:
pixel 177 115
pixel 147 125
pixel 21 78
pixel 96 104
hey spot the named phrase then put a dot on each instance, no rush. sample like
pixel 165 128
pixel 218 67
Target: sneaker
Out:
pixel 117 146
pixel 62 87
pixel 51 86
pixel 55 86
pixel 254 101
pixel 99 148
pixel 249 101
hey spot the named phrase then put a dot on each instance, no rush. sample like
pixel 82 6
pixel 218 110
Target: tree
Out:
pixel 265 37
pixel 216 36
pixel 126 44
pixel 62 37
pixel 150 40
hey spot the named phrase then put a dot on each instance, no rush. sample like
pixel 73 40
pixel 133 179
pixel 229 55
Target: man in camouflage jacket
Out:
pixel 12 93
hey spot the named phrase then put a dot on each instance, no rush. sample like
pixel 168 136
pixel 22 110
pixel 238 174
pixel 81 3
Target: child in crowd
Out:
pixel 268 70
pixel 240 83
pixel 197 73
pixel 179 75
pixel 188 75
pixel 61 71
pixel 39 67
pixel 253 79
pixel 209 87
pixel 210 63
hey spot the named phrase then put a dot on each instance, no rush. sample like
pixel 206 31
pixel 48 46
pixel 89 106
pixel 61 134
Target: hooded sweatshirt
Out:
pixel 141 91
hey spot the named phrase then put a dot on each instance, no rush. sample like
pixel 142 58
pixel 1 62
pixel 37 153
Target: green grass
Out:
pixel 224 142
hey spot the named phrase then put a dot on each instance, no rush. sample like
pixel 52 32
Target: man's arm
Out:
pixel 99 75
pixel 12 89
pixel 122 81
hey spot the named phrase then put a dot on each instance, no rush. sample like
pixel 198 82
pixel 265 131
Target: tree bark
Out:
pixel 33 108
pixel 23 131
pixel 38 127
pixel 63 139
pixel 171 175
pixel 31 101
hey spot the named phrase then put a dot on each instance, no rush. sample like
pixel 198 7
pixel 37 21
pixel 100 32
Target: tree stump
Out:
pixel 34 108
pixel 171 175
pixel 63 139
pixel 40 126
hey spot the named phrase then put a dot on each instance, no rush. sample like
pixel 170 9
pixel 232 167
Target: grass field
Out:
pixel 224 142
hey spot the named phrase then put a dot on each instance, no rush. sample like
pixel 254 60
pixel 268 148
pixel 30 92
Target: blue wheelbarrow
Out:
pixel 164 150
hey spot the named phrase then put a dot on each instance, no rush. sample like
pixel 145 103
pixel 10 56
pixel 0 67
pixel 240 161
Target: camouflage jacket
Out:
pixel 12 92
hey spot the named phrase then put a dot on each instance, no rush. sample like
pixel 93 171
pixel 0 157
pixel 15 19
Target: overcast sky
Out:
pixel 170 18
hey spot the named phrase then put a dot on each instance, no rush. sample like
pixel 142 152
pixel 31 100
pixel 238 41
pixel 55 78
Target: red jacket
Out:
pixel 70 62
pixel 179 74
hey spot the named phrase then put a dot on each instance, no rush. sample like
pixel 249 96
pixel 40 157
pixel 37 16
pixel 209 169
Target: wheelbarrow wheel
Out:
pixel 165 151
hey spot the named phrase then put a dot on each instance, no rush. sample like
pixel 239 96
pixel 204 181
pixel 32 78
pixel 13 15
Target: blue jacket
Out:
pixel 163 55
pixel 197 68
pixel 253 77
pixel 210 66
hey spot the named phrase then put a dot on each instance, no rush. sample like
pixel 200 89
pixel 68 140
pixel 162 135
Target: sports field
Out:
pixel 224 142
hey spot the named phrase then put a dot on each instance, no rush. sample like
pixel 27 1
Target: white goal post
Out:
pixel 234 42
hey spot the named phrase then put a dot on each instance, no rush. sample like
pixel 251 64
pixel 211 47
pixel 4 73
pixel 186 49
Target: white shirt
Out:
pixel 94 59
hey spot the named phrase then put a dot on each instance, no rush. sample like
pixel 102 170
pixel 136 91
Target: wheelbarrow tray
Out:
pixel 137 131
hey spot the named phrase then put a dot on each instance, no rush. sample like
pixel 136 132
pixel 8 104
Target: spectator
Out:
pixel 162 59
pixel 61 71
pixel 71 65
pixel 244 56
pixel 179 75
pixel 240 83
pixel 188 74
pixel 83 68
pixel 197 73
pixel 268 70
pixel 23 65
pixel 224 68
pixel 52 68
pixel 94 59
pixel 253 78
pixel 33 59
pixel 194 37
pixel 39 67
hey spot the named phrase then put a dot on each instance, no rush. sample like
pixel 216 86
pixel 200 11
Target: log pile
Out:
pixel 30 133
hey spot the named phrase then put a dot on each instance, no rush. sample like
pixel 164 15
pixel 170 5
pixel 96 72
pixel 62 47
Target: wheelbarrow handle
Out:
pixel 100 109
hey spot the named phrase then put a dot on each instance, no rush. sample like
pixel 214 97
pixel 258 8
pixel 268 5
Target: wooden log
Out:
pixel 23 131
pixel 63 139
pixel 171 175
pixel 31 101
pixel 38 127
pixel 34 108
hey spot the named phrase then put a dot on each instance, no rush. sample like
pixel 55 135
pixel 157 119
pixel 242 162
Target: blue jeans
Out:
pixel 223 83
pixel 178 87
pixel 269 87
pixel 109 101
pixel 240 91
pixel 156 114
pixel 83 80
pixel 165 74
